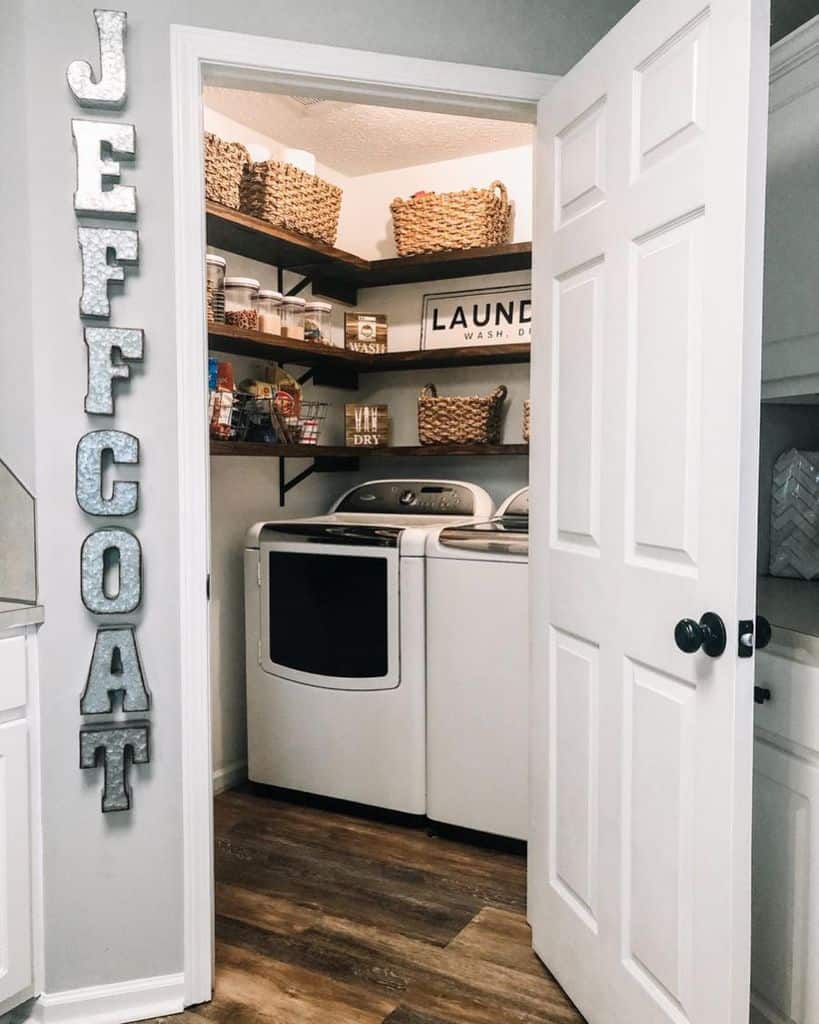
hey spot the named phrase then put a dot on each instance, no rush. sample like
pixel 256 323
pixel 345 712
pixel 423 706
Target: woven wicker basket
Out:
pixel 438 222
pixel 527 416
pixel 224 165
pixel 288 197
pixel 458 420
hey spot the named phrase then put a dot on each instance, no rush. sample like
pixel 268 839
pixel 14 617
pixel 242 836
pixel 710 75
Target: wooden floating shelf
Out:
pixel 339 274
pixel 313 451
pixel 238 342
pixel 235 341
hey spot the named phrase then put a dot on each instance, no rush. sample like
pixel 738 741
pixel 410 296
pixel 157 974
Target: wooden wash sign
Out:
pixel 365 332
pixel 366 425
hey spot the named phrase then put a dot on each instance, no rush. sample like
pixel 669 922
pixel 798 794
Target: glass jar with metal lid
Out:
pixel 317 322
pixel 215 267
pixel 268 305
pixel 239 295
pixel 292 310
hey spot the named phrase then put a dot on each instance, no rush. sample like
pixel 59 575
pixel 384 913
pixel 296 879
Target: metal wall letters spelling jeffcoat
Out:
pixel 111 89
pixel 118 743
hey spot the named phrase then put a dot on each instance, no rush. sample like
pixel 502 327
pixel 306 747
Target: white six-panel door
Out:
pixel 648 284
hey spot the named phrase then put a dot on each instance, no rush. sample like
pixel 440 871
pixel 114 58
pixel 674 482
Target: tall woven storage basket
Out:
pixel 438 222
pixel 288 197
pixel 224 164
pixel 458 420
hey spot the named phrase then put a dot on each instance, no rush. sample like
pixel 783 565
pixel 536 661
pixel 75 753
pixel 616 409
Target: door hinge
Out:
pixel 259 652
pixel 259 573
pixel 207 586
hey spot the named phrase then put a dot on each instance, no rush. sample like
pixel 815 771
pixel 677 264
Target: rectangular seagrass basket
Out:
pixel 288 197
pixel 460 420
pixel 224 165
pixel 442 221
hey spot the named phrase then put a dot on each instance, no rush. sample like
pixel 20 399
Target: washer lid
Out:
pixel 516 504
pixel 507 535
pixel 354 534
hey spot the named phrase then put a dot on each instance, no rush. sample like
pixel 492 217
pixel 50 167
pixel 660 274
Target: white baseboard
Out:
pixel 112 1004
pixel 229 775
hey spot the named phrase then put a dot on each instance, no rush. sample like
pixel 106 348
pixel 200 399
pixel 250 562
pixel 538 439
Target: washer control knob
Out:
pixel 407 498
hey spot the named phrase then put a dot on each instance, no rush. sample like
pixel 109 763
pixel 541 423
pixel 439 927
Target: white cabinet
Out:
pixel 790 359
pixel 15 862
pixel 785 943
pixel 16 957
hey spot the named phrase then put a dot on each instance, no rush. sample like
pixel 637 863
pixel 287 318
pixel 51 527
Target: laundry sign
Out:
pixel 485 316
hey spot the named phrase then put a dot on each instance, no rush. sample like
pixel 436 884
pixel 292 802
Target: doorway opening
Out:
pixel 372 868
pixel 382 767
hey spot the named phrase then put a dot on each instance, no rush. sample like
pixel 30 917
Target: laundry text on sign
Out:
pixel 479 317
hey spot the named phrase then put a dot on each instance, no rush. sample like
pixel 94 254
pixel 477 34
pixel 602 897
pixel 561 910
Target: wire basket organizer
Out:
pixel 310 422
pixel 236 416
pixel 228 415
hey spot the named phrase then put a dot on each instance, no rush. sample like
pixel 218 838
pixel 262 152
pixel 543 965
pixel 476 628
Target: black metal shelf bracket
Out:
pixel 333 376
pixel 286 485
pixel 298 288
pixel 321 464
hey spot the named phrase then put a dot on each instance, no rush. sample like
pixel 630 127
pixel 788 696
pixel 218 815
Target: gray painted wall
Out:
pixel 113 893
pixel 16 412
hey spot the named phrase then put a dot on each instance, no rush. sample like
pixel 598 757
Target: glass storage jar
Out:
pixel 239 295
pixel 317 322
pixel 215 266
pixel 292 310
pixel 268 306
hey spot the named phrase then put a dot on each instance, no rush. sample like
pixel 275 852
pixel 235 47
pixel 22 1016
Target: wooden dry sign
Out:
pixel 365 332
pixel 366 425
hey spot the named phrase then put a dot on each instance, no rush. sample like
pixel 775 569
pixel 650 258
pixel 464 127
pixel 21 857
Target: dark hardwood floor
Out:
pixel 324 917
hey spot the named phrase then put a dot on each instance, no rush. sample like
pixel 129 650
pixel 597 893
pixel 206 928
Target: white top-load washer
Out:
pixel 335 635
pixel 478 672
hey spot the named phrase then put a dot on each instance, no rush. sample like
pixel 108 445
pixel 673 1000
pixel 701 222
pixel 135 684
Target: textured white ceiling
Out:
pixel 357 139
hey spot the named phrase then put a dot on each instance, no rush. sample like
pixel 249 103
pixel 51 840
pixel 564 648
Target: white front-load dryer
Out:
pixel 478 672
pixel 336 642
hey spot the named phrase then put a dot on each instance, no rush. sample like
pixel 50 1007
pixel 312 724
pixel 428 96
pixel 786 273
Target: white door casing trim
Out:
pixel 229 58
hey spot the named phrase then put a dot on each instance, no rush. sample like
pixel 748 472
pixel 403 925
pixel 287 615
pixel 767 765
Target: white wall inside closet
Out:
pixel 244 490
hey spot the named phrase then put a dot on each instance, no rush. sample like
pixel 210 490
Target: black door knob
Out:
pixel 708 634
pixel 763 632
pixel 761 694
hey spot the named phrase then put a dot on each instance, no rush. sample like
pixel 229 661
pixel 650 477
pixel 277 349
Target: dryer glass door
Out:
pixel 330 614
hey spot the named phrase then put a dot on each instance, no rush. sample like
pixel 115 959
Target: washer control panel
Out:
pixel 410 497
